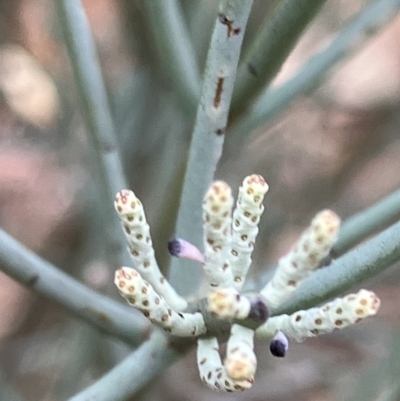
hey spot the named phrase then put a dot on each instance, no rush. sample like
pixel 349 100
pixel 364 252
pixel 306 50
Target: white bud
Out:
pixel 211 370
pixel 313 246
pixel 227 303
pixel 246 217
pixel 137 232
pixel 141 295
pixel 336 314
pixel 217 209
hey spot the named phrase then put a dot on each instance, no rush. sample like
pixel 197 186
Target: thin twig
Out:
pixel 278 35
pixel 133 373
pixel 275 101
pixel 209 130
pixel 368 222
pixel 167 24
pixel 39 275
pixel 97 116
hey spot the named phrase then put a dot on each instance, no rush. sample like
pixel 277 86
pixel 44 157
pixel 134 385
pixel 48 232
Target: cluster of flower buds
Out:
pixel 228 245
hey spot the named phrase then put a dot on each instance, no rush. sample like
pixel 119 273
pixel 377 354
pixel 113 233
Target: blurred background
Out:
pixel 336 147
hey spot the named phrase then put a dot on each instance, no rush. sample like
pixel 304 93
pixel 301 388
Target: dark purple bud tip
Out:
pixel 259 310
pixel 184 249
pixel 175 247
pixel 277 348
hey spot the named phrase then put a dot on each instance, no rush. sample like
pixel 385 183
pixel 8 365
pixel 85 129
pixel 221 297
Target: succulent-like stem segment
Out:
pixel 211 370
pixel 246 217
pixel 336 314
pixel 241 362
pixel 314 245
pixel 141 295
pixel 217 209
pixel 137 232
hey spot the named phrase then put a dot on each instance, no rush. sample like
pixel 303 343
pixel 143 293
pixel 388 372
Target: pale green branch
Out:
pixel 368 222
pixel 97 116
pixel 276 101
pixel 134 372
pixel 209 130
pixel 277 37
pixel 42 277
pixel 168 27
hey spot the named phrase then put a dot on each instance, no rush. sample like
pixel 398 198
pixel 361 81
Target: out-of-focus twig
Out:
pixel 168 27
pixel 367 222
pixel 209 130
pixel 278 35
pixel 107 315
pixel 134 372
pixel 275 101
pixel 97 116
pixel 8 392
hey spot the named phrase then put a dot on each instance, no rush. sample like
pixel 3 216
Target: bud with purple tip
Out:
pixel 184 249
pixel 279 345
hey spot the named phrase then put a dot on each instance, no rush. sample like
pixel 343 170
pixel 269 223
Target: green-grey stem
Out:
pixel 97 116
pixel 277 37
pixel 208 136
pixel 275 101
pixel 42 277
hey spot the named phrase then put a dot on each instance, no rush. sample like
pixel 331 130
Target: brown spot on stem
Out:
pixel 218 92
pixel 33 280
pixel 229 24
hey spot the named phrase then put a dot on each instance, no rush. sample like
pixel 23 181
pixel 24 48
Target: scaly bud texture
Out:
pixel 246 217
pixel 140 294
pixel 336 314
pixel 241 362
pixel 217 209
pixel 227 303
pixel 314 245
pixel 211 370
pixel 226 261
pixel 137 232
